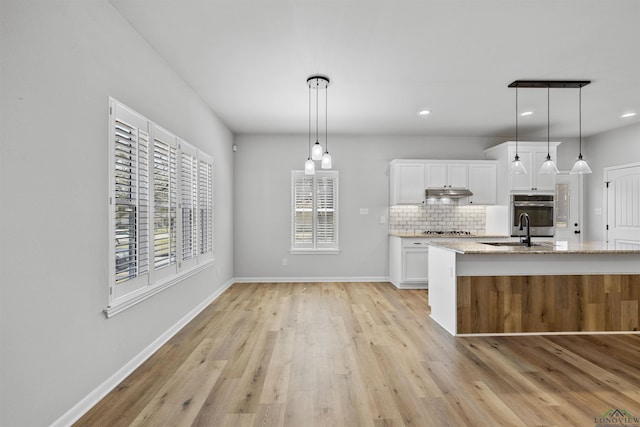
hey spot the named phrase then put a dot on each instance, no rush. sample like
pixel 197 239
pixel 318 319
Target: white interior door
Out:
pixel 568 210
pixel 623 204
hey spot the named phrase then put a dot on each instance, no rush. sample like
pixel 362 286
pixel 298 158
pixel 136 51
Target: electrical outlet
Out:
pixel 284 261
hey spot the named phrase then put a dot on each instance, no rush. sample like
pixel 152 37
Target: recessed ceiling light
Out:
pixel 624 116
pixel 424 112
pixel 526 113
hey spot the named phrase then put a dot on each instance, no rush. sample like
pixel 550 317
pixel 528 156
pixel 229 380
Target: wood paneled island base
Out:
pixel 539 304
pixel 479 288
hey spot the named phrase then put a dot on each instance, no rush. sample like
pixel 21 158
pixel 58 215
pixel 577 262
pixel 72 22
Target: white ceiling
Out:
pixel 249 60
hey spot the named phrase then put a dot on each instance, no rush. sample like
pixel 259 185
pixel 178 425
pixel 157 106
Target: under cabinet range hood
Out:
pixel 451 193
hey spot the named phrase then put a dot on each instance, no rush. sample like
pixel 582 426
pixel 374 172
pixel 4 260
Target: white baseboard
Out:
pixel 411 285
pixel 310 279
pixel 77 411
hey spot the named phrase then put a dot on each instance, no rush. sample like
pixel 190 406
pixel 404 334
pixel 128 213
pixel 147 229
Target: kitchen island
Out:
pixel 500 288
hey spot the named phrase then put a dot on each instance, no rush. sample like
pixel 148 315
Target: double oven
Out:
pixel 539 207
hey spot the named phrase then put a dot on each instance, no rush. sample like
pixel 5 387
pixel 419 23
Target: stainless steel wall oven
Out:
pixel 540 208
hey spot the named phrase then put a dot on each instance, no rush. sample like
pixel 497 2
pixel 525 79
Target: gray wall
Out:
pixel 61 60
pixel 263 164
pixel 614 148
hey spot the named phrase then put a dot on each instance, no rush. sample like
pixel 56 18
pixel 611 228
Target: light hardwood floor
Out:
pixel 365 354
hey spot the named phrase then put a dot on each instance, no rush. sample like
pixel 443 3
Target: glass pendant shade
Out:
pixel 580 167
pixel 326 160
pixel 309 167
pixel 548 167
pixel 316 151
pixel 517 167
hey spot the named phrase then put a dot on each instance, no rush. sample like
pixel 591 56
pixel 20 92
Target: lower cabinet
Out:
pixel 408 262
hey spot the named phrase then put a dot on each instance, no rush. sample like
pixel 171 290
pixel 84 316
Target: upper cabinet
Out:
pixel 410 178
pixel 407 182
pixel 483 183
pixel 449 175
pixel 532 155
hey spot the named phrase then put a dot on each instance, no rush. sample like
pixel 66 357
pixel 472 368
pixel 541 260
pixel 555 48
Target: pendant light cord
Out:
pixel 548 124
pixel 326 109
pixel 309 121
pixel 316 110
pixel 517 158
pixel 580 119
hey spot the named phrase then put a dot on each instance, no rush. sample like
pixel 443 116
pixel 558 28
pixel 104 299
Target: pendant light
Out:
pixel 309 166
pixel 318 82
pixel 548 167
pixel 581 166
pixel 517 167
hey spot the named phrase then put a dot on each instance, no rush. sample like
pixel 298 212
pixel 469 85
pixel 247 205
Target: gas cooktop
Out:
pixel 448 233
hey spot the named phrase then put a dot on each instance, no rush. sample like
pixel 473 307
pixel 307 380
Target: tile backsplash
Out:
pixel 437 216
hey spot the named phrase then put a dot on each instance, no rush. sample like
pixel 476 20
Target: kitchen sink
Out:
pixel 516 244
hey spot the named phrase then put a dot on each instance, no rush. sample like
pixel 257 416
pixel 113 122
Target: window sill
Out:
pixel 314 251
pixel 128 301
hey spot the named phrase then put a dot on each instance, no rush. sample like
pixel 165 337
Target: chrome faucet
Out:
pixel 527 239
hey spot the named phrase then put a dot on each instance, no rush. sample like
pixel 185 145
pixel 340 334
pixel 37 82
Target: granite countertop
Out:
pixel 478 248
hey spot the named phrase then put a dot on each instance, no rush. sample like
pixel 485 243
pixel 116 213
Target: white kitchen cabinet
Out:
pixel 409 178
pixel 409 262
pixel 443 174
pixel 406 182
pixel 483 183
pixel 532 156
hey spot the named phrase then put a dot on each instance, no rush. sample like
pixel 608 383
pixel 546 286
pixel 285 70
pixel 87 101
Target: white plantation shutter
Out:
pixel 129 200
pixel 205 204
pixel 325 211
pixel 188 203
pixel 314 222
pixel 161 208
pixel 302 234
pixel 165 198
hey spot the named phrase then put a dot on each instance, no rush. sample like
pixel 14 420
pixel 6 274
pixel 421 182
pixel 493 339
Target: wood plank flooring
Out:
pixel 365 354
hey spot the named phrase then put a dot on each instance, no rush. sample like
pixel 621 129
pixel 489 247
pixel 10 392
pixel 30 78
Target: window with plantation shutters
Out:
pixel 130 201
pixel 325 212
pixel 302 211
pixel 188 205
pixel 161 208
pixel 314 219
pixel 164 200
pixel 196 204
pixel 205 205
